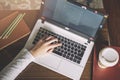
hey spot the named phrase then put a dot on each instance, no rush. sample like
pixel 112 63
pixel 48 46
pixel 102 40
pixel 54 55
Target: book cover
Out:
pixel 19 32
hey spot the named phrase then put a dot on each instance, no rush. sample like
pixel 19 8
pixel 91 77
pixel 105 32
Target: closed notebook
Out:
pixel 19 32
pixel 111 73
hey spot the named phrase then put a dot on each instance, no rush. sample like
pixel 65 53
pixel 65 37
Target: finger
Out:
pixel 52 40
pixel 50 50
pixel 55 45
pixel 42 39
pixel 48 38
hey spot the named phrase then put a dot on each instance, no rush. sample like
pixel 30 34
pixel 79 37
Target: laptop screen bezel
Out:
pixel 44 18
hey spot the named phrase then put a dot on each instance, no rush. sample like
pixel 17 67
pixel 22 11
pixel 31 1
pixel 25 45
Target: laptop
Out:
pixel 75 26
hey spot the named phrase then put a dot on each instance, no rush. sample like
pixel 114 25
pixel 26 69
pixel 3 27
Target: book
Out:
pixel 111 73
pixel 19 32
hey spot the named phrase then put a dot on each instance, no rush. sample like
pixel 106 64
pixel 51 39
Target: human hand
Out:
pixel 45 46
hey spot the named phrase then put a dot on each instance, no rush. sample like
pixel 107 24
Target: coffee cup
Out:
pixel 108 57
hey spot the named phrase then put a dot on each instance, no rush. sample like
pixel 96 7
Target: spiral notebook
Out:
pixel 19 32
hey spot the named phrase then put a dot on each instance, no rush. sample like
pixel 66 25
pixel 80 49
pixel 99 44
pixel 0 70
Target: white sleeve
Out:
pixel 18 64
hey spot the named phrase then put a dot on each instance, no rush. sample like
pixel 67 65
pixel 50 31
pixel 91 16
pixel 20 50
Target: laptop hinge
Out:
pixel 90 39
pixel 43 19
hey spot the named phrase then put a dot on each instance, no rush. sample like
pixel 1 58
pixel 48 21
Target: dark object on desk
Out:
pixel 88 2
pixel 111 73
pixel 19 32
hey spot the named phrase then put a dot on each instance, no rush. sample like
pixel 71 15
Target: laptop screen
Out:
pixel 73 16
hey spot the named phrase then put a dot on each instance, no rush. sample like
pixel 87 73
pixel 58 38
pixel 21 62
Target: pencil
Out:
pixel 9 27
pixel 12 26
pixel 15 25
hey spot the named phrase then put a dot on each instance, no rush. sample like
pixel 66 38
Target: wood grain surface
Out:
pixel 36 72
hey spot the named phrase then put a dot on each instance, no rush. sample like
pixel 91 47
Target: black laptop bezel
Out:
pixel 43 18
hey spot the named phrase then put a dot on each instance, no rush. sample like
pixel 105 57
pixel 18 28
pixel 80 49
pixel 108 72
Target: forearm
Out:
pixel 21 61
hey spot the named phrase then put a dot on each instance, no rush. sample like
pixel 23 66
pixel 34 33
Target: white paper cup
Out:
pixel 108 57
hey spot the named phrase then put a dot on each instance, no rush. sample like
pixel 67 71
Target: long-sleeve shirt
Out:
pixel 18 64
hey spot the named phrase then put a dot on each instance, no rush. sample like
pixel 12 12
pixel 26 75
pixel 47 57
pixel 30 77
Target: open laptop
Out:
pixel 75 26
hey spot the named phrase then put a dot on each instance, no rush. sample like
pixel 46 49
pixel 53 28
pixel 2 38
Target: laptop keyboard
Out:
pixel 70 49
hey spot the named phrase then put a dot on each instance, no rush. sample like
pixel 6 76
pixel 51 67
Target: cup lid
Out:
pixel 109 57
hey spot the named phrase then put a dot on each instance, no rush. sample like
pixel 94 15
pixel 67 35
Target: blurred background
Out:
pixel 35 4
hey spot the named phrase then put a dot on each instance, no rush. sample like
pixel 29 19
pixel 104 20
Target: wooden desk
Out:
pixel 34 71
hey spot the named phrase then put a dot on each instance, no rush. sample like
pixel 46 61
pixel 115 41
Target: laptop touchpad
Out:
pixel 48 60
